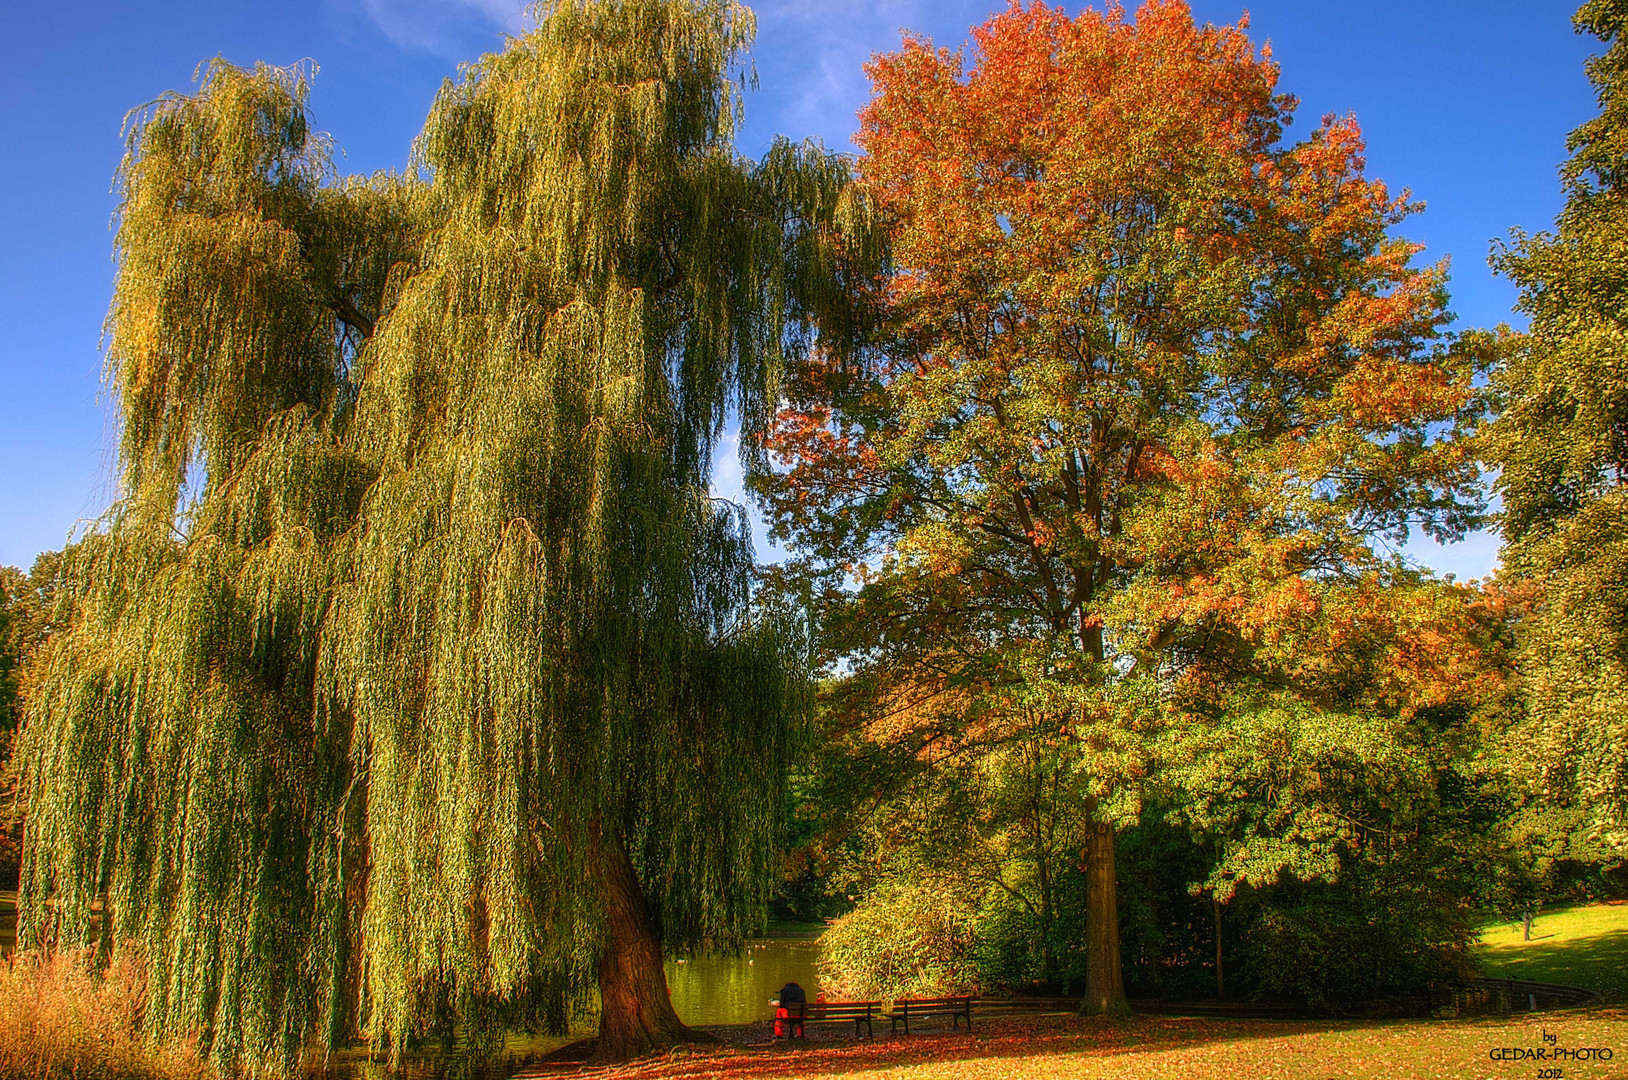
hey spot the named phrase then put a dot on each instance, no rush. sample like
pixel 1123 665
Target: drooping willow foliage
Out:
pixel 415 600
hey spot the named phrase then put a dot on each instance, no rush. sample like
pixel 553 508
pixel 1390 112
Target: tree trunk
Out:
pixel 1220 982
pixel 1104 980
pixel 1048 917
pixel 636 1013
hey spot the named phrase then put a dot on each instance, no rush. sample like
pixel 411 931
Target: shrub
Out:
pixel 62 1020
pixel 1007 947
pixel 1017 951
pixel 904 939
pixel 1368 936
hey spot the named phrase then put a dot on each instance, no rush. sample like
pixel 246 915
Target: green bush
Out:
pixel 1369 936
pixel 1016 951
pixel 905 938
pixel 1006 946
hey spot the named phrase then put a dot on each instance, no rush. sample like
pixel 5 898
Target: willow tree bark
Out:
pixel 636 1014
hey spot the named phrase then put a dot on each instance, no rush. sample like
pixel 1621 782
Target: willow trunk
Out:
pixel 636 1013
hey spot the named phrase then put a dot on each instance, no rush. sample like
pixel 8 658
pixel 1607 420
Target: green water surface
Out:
pixel 737 989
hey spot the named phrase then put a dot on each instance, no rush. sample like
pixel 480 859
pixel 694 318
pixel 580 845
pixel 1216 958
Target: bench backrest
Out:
pixel 924 1004
pixel 831 1010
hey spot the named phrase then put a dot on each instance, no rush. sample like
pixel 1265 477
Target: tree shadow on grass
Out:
pixel 1598 963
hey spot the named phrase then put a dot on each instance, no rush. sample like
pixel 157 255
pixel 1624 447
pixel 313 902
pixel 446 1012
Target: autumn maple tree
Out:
pixel 1140 389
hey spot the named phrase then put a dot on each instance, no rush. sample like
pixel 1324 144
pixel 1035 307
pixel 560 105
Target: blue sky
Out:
pixel 1466 102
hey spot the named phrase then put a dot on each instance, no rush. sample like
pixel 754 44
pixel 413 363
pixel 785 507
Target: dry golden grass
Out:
pixel 59 1020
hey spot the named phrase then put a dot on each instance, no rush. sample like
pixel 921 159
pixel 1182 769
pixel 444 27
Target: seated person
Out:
pixel 784 1023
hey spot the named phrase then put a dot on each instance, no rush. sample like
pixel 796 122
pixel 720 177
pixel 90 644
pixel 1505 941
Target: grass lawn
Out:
pixel 1581 945
pixel 1164 1048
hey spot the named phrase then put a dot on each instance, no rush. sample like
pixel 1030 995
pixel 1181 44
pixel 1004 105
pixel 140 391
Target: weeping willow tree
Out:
pixel 416 681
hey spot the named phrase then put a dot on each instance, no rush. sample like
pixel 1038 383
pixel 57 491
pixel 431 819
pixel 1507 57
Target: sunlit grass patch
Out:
pixel 1583 945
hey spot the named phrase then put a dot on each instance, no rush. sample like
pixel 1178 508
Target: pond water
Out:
pixel 720 989
pixel 737 989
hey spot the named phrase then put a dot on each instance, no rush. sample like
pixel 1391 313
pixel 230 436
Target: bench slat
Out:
pixel 953 1007
pixel 814 1012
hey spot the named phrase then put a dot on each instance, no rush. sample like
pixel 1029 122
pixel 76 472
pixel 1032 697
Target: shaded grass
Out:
pixel 1581 945
pixel 1168 1048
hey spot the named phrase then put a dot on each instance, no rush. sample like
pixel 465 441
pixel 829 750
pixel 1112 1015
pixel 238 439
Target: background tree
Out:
pixel 15 640
pixel 1348 851
pixel 1561 447
pixel 989 812
pixel 26 602
pixel 415 679
pixel 1149 386
pixel 1318 830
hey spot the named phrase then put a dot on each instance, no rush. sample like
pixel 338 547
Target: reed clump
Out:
pixel 64 1018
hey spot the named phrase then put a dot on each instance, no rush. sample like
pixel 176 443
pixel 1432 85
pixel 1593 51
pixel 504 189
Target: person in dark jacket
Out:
pixel 784 1022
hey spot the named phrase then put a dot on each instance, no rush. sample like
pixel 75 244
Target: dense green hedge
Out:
pixel 1385 928
pixel 907 938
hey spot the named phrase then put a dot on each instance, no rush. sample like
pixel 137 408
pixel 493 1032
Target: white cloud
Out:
pixel 446 27
pixel 810 56
pixel 822 48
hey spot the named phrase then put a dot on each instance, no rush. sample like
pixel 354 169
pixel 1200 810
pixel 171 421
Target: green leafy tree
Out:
pixel 1148 388
pixel 949 788
pixel 1353 830
pixel 16 635
pixel 27 607
pixel 415 680
pixel 1561 447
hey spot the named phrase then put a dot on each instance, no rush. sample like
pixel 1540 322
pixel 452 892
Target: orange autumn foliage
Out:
pixel 1147 397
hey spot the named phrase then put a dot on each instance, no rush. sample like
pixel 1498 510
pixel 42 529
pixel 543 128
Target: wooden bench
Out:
pixel 798 1013
pixel 953 1007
